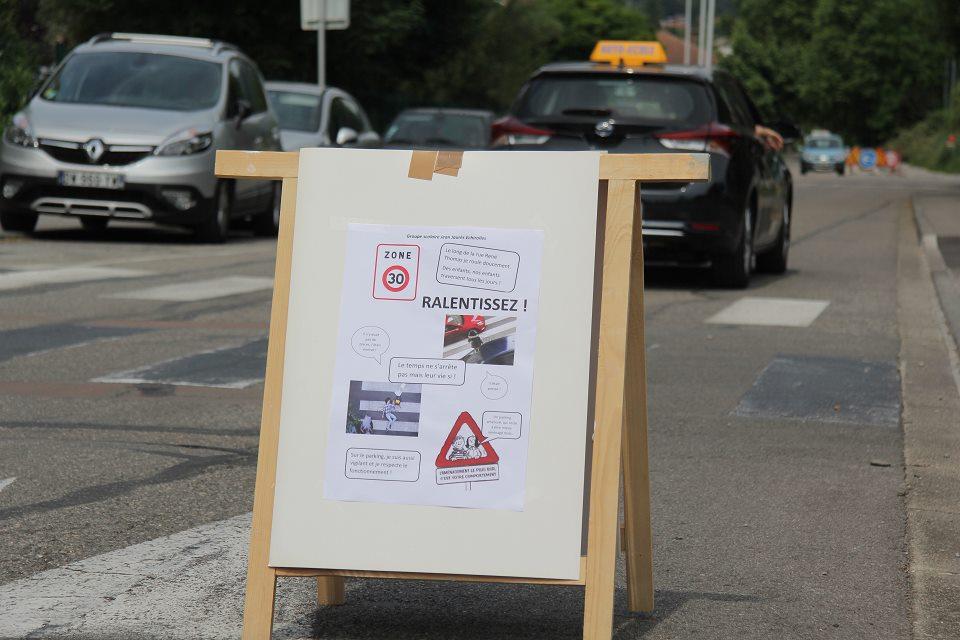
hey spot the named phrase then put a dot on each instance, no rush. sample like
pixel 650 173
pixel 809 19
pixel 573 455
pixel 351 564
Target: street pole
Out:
pixel 322 45
pixel 711 19
pixel 687 19
pixel 701 32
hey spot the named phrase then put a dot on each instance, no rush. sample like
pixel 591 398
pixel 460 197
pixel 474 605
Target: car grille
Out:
pixel 113 155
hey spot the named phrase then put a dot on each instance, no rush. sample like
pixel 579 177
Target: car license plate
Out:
pixel 90 179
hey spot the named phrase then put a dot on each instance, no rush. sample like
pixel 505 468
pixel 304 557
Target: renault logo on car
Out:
pixel 94 149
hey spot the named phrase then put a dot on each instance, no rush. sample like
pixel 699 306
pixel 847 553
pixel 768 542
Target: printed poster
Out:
pixel 434 366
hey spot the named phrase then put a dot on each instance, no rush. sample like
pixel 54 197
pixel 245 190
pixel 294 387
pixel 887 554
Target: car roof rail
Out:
pixel 221 46
pixel 149 38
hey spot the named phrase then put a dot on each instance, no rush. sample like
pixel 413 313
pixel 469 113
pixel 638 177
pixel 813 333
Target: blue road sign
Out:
pixel 868 158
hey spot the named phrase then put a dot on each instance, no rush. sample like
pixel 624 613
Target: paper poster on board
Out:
pixel 434 366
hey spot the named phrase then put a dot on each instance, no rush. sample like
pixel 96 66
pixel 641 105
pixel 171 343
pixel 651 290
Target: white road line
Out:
pixel 771 312
pixel 63 275
pixel 199 290
pixel 187 585
pixel 6 483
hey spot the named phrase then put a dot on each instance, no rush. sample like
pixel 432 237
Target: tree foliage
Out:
pixel 396 53
pixel 17 72
pixel 863 68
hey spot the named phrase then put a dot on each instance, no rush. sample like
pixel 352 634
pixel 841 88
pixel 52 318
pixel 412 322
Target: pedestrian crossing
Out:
pixel 199 290
pixel 22 279
pixel 367 399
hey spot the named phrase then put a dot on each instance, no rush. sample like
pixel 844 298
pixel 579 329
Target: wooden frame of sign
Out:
pixel 620 395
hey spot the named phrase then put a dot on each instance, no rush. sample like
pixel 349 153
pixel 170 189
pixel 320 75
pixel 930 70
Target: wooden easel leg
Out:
pixel 330 590
pixel 609 415
pixel 638 538
pixel 261 578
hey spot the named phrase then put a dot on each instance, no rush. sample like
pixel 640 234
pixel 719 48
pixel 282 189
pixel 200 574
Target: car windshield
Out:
pixel 295 110
pixel 646 99
pixel 454 129
pixel 824 143
pixel 132 79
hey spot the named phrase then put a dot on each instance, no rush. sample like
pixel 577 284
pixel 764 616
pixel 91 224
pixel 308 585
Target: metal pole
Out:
pixel 701 32
pixel 687 19
pixel 711 18
pixel 322 44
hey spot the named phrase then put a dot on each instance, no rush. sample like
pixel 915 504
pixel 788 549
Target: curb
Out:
pixel 930 388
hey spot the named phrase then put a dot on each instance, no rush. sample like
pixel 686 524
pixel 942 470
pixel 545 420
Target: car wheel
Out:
pixel 775 260
pixel 216 229
pixel 840 170
pixel 733 269
pixel 94 225
pixel 267 223
pixel 22 222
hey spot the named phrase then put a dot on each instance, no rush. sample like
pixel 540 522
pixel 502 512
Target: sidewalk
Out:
pixel 931 404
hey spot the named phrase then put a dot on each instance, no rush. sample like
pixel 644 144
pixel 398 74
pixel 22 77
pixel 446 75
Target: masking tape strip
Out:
pixel 448 162
pixel 422 164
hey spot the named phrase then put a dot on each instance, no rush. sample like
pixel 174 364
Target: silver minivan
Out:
pixel 126 128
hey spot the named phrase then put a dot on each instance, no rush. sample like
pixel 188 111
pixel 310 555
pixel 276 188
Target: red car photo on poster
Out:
pixel 460 327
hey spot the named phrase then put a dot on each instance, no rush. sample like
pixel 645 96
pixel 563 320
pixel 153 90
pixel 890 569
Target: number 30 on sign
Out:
pixel 395 272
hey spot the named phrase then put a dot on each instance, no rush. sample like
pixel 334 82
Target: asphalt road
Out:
pixel 130 384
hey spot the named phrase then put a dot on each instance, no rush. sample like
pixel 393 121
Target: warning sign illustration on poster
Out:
pixel 434 368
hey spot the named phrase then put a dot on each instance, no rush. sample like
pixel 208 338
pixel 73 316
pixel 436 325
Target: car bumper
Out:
pixel 822 165
pixel 689 225
pixel 29 182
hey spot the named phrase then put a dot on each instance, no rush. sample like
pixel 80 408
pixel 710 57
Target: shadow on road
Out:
pixel 405 610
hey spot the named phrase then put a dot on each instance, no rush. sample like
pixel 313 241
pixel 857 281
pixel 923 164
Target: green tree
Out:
pixel 872 66
pixel 586 21
pixel 769 37
pixel 17 63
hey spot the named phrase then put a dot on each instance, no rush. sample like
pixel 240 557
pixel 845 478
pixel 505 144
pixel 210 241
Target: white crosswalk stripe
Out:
pixel 199 290
pixel 63 275
pixel 771 312
pixel 187 585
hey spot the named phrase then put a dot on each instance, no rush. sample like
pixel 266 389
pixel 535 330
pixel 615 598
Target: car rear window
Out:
pixel 133 79
pixel 463 130
pixel 647 99
pixel 295 110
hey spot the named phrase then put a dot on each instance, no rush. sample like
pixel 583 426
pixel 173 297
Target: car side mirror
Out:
pixel 346 136
pixel 787 130
pixel 243 111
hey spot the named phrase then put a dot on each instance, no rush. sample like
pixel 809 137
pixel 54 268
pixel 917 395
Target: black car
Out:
pixel 437 128
pixel 737 220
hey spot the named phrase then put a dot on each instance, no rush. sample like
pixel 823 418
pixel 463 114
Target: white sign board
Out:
pixel 338 14
pixel 405 444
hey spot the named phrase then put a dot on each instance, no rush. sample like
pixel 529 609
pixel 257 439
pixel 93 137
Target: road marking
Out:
pixel 63 275
pixel 186 585
pixel 771 312
pixel 6 483
pixel 29 341
pixel 200 290
pixel 227 368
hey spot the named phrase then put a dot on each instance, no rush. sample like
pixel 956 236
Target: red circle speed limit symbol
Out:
pixel 395 278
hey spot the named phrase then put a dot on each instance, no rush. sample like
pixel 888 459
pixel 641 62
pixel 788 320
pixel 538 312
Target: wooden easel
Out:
pixel 620 425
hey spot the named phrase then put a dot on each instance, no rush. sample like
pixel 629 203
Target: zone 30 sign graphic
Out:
pixel 395 272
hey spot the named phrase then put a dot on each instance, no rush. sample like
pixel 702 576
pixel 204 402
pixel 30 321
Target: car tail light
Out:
pixel 713 137
pixel 509 131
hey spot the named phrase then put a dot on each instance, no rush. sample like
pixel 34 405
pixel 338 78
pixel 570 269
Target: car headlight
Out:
pixel 185 143
pixel 20 132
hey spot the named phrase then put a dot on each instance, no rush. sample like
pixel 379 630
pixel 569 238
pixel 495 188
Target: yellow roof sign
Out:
pixel 629 53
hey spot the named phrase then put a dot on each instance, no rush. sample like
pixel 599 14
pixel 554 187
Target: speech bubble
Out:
pixel 382 464
pixel 493 386
pixel 478 267
pixel 427 371
pixel 501 425
pixel 370 342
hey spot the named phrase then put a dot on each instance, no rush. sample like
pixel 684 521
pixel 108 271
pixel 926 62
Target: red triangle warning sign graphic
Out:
pixel 464 447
